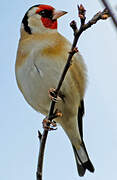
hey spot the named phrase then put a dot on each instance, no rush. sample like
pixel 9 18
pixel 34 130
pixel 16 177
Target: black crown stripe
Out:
pixel 25 21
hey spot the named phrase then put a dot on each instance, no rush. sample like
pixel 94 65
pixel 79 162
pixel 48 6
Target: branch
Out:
pixel 81 13
pixel 42 139
pixel 110 12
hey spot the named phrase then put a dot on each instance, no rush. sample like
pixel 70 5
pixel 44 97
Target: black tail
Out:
pixel 82 160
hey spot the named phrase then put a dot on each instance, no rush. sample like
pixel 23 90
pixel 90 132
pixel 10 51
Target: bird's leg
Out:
pixel 57 114
pixel 49 124
pixel 52 95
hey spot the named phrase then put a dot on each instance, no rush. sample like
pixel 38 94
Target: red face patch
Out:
pixel 47 22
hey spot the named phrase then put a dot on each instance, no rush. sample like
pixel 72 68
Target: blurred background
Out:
pixel 19 123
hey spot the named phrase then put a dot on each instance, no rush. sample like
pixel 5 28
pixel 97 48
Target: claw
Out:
pixel 52 95
pixel 57 113
pixel 49 125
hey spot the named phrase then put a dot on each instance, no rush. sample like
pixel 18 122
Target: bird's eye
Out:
pixel 42 12
pixel 46 14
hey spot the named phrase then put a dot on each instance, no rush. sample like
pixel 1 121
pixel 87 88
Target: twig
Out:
pixel 110 12
pixel 81 12
pixel 41 155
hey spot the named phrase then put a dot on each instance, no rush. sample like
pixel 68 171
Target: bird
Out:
pixel 41 56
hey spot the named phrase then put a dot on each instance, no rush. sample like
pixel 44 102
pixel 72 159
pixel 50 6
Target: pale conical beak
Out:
pixel 57 14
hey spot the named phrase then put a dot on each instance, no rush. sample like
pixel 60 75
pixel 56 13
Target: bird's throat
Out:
pixel 48 23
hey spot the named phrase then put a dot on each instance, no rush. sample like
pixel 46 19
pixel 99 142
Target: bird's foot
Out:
pixel 52 95
pixel 57 114
pixel 49 124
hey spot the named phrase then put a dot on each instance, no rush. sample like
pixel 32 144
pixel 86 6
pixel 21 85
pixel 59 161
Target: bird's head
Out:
pixel 41 18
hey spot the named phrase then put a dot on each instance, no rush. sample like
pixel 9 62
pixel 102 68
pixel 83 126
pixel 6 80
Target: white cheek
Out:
pixel 32 11
pixel 36 24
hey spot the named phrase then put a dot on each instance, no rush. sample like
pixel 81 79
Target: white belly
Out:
pixel 36 78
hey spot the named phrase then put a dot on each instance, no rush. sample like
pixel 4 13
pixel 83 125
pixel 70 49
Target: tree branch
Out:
pixel 110 12
pixel 41 154
pixel 81 12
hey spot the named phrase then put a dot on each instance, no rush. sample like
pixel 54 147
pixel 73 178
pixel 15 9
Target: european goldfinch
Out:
pixel 41 57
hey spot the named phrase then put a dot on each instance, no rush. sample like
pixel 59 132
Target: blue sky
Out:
pixel 19 122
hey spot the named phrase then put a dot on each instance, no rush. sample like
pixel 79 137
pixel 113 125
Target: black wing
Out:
pixel 80 116
pixel 80 165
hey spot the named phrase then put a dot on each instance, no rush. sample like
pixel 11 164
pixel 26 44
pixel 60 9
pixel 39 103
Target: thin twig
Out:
pixel 77 33
pixel 110 12
pixel 41 155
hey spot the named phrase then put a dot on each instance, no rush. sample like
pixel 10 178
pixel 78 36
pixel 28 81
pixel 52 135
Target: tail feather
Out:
pixel 82 160
pixel 80 168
